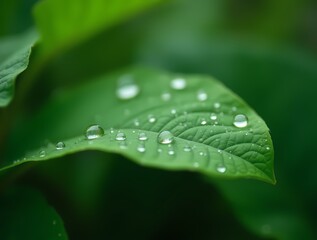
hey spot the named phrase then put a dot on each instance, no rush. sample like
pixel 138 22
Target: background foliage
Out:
pixel 263 50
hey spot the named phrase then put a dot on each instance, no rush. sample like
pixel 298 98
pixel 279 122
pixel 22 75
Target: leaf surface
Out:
pixel 14 58
pixel 135 106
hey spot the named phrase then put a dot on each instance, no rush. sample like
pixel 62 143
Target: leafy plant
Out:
pixel 81 112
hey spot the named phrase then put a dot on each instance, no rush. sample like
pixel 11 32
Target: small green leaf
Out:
pixel 26 215
pixel 66 23
pixel 158 119
pixel 14 59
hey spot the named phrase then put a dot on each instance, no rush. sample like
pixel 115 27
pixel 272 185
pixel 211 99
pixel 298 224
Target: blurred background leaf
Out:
pixel 15 16
pixel 63 24
pixel 25 214
pixel 14 54
pixel 147 203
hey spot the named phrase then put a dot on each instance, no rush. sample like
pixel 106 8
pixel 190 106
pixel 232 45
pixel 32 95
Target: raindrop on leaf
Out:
pixel 221 169
pixel 217 105
pixel 213 116
pixel 165 137
pixel 60 145
pixel 240 121
pixel 94 131
pixel 196 164
pixel 121 136
pixel 202 95
pixel 166 96
pixel 187 149
pixel 141 148
pixel 151 119
pixel 42 153
pixel 142 137
pixel 203 121
pixel 127 88
pixel 178 83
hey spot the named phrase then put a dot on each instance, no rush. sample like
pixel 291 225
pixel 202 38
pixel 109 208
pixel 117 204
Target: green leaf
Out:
pixel 25 214
pixel 200 116
pixel 14 58
pixel 65 23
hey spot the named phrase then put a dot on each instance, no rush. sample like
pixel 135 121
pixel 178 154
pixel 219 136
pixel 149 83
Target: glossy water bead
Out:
pixel 60 145
pixel 165 137
pixel 127 88
pixel 240 121
pixel 120 136
pixel 94 131
pixel 178 83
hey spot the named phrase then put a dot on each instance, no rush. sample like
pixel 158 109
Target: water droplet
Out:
pixel 187 149
pixel 221 169
pixel 234 109
pixel 94 131
pixel 202 95
pixel 42 153
pixel 217 105
pixel 178 83
pixel 142 137
pixel 240 121
pixel 173 111
pixel 203 121
pixel 171 152
pixel 141 148
pixel 151 119
pixel 196 164
pixel 127 89
pixel 166 96
pixel 123 145
pixel 136 122
pixel 219 151
pixel 60 145
pixel 121 136
pixel 165 137
pixel 268 148
pixel 213 116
